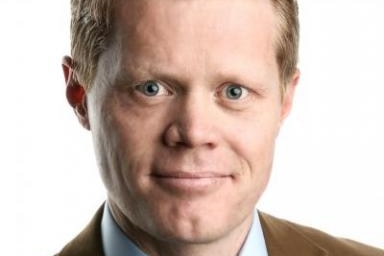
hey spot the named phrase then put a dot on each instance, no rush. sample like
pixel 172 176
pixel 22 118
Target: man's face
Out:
pixel 184 113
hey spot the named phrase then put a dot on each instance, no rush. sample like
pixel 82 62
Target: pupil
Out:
pixel 234 92
pixel 151 88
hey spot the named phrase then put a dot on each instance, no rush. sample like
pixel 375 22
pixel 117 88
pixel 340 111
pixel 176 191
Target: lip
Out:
pixel 190 182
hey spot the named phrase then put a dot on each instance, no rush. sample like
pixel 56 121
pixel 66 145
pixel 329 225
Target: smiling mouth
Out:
pixel 190 182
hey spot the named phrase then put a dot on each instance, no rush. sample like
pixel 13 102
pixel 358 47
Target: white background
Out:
pixel 329 162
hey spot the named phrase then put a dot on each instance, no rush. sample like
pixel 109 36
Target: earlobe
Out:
pixel 75 92
pixel 81 112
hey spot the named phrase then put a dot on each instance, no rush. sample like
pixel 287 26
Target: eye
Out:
pixel 234 92
pixel 152 88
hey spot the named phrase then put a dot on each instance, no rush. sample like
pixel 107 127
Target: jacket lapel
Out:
pixel 284 239
pixel 88 242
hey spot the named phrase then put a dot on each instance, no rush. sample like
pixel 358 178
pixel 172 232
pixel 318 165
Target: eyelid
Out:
pixel 164 89
pixel 221 91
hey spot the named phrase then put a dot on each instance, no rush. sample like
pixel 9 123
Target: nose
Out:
pixel 193 123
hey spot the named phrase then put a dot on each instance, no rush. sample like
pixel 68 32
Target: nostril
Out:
pixel 192 123
pixel 192 135
pixel 171 136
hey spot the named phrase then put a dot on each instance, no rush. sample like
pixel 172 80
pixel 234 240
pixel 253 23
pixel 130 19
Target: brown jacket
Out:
pixel 283 238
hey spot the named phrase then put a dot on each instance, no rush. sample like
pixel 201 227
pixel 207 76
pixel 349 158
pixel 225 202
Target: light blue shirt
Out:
pixel 116 243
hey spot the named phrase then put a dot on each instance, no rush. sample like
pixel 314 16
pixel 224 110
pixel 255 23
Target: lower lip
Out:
pixel 190 185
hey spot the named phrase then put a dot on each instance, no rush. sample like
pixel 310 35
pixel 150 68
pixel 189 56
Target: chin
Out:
pixel 192 223
pixel 191 233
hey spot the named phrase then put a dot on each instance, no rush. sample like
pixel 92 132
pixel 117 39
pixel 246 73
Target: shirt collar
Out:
pixel 116 243
pixel 255 243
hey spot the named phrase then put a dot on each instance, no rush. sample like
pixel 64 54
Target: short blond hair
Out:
pixel 92 26
pixel 91 29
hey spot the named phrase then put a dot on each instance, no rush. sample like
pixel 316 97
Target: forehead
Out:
pixel 208 32
pixel 144 19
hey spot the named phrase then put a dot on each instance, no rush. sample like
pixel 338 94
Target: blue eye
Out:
pixel 152 88
pixel 235 92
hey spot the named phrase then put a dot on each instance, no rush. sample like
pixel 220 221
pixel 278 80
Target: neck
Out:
pixel 229 244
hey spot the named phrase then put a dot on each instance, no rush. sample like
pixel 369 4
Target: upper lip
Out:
pixel 188 174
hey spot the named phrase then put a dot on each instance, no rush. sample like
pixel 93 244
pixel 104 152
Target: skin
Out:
pixel 184 167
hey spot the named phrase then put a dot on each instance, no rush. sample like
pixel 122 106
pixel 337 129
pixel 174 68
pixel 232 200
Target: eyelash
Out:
pixel 141 87
pixel 221 93
pixel 244 91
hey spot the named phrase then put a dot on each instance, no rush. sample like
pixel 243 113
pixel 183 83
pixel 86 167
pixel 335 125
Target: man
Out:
pixel 184 99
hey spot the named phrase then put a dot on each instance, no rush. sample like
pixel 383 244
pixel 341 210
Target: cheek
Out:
pixel 255 138
pixel 106 143
pixel 256 158
pixel 128 137
pixel 254 145
pixel 257 149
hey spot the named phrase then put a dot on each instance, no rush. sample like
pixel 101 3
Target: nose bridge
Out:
pixel 193 122
pixel 194 117
pixel 193 108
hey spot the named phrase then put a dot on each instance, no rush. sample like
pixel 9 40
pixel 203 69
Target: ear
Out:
pixel 287 98
pixel 75 93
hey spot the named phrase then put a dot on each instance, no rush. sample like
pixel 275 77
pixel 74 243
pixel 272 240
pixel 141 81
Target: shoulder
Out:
pixel 277 229
pixel 88 242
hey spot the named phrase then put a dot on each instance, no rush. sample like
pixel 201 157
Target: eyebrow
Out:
pixel 131 75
